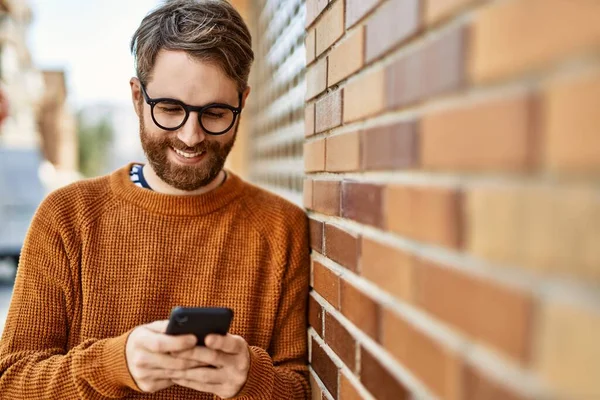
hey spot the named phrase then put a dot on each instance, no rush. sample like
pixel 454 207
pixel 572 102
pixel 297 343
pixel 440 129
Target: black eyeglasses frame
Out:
pixel 188 109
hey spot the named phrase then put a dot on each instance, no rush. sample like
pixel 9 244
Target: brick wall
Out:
pixel 275 115
pixel 452 160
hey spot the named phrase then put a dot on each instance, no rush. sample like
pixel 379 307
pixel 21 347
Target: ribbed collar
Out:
pixel 161 203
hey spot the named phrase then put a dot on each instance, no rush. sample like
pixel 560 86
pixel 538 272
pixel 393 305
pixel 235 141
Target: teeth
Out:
pixel 187 155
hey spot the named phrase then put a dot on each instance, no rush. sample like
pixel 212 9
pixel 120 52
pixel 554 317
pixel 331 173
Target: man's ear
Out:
pixel 136 94
pixel 245 96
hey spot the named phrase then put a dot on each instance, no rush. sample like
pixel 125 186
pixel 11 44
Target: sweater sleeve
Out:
pixel 282 371
pixel 35 361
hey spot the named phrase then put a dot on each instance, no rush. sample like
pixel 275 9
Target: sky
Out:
pixel 89 39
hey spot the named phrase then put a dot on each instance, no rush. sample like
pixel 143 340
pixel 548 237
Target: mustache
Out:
pixel 179 145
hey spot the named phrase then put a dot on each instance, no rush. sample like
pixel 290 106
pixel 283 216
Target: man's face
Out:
pixel 187 158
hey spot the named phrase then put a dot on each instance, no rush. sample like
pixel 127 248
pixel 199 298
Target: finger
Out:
pixel 163 361
pixel 203 375
pixel 155 385
pixel 161 343
pixel 204 355
pixel 158 326
pixel 231 344
pixel 157 374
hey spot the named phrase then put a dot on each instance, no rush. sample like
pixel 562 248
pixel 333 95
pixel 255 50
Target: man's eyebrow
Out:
pixel 218 101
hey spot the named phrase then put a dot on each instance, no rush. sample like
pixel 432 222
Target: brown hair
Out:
pixel 208 30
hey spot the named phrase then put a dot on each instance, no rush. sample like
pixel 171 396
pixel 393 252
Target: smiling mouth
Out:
pixel 186 154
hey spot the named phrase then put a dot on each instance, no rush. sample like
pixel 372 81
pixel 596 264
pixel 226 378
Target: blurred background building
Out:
pixel 22 87
pixel 447 154
pixel 38 136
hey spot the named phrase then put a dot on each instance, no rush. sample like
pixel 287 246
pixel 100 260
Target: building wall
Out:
pixel 274 116
pixel 57 124
pixel 452 161
pixel 21 82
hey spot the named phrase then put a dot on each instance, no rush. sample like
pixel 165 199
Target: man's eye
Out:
pixel 214 115
pixel 170 109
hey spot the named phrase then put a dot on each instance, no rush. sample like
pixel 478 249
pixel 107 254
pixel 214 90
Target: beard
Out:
pixel 185 177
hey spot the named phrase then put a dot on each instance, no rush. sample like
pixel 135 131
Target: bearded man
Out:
pixel 106 259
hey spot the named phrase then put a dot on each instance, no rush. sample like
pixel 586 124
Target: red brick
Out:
pixel 343 153
pixel 326 197
pixel 404 80
pixel 571 124
pixel 310 43
pixel 357 9
pixel 329 111
pixel 327 284
pixel 513 37
pixel 365 96
pixel 360 309
pixel 309 120
pixel 340 341
pixel 434 68
pixel 314 8
pixel 314 156
pixel 390 147
pixel 324 367
pixel 342 247
pixel 392 23
pixel 436 10
pixel 495 314
pixel 444 66
pixel 389 268
pixel 437 367
pixel 347 58
pixel 362 202
pixel 316 78
pixel 316 235
pixel 546 228
pixel 426 214
pixel 315 315
pixel 379 381
pixel 478 386
pixel 347 389
pixel 494 134
pixel 567 351
pixel 307 194
pixel 331 26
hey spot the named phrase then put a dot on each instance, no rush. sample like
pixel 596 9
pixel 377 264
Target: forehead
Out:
pixel 177 75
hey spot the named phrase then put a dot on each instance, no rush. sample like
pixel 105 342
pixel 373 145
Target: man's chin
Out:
pixel 186 177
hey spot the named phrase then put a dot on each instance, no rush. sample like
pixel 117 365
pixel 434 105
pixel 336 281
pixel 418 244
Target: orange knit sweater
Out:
pixel 103 256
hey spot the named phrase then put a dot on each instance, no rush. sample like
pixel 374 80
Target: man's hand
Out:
pixel 148 352
pixel 228 358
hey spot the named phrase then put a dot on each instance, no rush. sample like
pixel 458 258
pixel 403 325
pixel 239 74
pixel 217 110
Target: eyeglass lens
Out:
pixel 170 115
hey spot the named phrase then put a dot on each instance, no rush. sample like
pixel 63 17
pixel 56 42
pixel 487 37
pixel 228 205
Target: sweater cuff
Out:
pixel 114 363
pixel 260 376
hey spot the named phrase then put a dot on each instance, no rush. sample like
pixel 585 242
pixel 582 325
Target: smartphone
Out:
pixel 199 321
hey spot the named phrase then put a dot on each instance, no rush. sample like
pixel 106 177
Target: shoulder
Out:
pixel 271 212
pixel 77 202
pixel 271 206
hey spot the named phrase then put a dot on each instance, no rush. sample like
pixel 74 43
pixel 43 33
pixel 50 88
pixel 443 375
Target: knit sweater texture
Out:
pixel 103 256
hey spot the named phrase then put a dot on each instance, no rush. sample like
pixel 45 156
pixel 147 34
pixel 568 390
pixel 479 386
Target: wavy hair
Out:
pixel 208 30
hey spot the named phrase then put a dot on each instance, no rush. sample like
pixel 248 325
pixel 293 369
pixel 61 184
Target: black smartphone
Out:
pixel 199 321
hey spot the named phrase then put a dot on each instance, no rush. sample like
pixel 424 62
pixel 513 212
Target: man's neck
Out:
pixel 159 186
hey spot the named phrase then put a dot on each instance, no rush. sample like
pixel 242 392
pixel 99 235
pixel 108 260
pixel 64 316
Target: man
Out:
pixel 105 260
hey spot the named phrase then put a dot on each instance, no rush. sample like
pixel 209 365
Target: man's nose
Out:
pixel 191 133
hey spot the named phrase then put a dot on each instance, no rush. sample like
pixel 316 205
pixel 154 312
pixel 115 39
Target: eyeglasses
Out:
pixel 172 114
